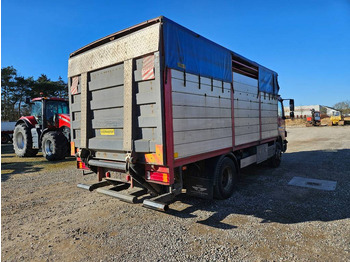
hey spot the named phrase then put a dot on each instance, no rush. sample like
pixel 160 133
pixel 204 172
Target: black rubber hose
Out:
pixel 136 172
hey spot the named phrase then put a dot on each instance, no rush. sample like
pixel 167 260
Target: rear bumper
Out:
pixel 108 164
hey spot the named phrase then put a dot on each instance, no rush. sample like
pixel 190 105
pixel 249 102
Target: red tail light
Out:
pixel 157 176
pixel 81 165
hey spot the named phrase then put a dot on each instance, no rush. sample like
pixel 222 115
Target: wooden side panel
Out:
pixel 247 138
pixel 269 106
pixel 183 99
pixel 202 120
pixel 195 148
pixel 246 106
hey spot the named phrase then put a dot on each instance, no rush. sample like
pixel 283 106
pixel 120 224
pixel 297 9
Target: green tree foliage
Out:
pixel 8 86
pixel 15 89
pixel 21 91
pixel 343 107
pixel 43 85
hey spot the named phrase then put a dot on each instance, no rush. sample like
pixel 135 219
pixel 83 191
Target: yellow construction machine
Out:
pixel 337 118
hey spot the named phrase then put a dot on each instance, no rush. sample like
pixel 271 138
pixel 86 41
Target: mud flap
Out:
pixel 199 187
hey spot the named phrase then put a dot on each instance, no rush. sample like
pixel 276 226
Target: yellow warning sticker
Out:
pixel 176 155
pixel 107 132
pixel 181 65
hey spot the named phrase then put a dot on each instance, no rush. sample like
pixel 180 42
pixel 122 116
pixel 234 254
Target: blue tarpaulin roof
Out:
pixel 268 81
pixel 187 51
pixel 192 53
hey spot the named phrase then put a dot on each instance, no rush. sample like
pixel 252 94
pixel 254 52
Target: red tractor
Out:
pixel 48 128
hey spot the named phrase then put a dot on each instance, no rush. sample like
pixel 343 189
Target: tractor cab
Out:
pixel 47 111
pixel 315 119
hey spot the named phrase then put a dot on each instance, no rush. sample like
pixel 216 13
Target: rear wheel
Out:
pixel 66 132
pixel 226 177
pixel 54 146
pixel 275 161
pixel 22 141
pixel 5 138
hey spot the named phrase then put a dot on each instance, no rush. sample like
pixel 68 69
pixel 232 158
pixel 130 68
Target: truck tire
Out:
pixel 275 161
pixel 226 178
pixel 54 146
pixel 23 142
pixel 5 138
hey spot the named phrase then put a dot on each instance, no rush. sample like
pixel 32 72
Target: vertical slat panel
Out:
pixel 127 134
pixel 83 117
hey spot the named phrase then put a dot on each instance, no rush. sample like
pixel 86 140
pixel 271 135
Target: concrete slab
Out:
pixel 313 183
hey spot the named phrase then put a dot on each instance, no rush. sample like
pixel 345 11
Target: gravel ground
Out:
pixel 46 218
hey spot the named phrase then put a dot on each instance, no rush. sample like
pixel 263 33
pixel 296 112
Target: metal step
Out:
pixel 123 197
pixel 106 187
pixel 160 202
pixel 94 186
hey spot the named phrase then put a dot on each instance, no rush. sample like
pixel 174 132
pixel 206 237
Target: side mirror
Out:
pixel 291 105
pixel 291 114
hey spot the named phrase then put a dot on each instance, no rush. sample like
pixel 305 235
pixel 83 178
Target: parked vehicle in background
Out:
pixel 314 119
pixel 48 128
pixel 162 108
pixel 337 118
pixel 7 131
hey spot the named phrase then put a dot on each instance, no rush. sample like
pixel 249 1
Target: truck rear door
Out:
pixel 116 98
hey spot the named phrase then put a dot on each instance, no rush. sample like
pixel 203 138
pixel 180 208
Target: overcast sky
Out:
pixel 306 42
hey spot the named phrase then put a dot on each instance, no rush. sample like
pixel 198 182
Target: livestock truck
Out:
pixel 157 109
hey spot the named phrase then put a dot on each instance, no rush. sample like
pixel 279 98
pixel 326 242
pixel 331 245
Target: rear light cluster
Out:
pixel 159 174
pixel 81 165
pixel 156 176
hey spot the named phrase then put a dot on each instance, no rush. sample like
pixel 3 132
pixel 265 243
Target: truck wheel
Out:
pixel 22 141
pixel 225 177
pixel 5 138
pixel 275 161
pixel 54 146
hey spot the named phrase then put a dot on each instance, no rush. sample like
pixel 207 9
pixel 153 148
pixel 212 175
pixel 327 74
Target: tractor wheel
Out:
pixel 54 146
pixel 226 178
pixel 22 141
pixel 5 138
pixel 66 132
pixel 275 161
